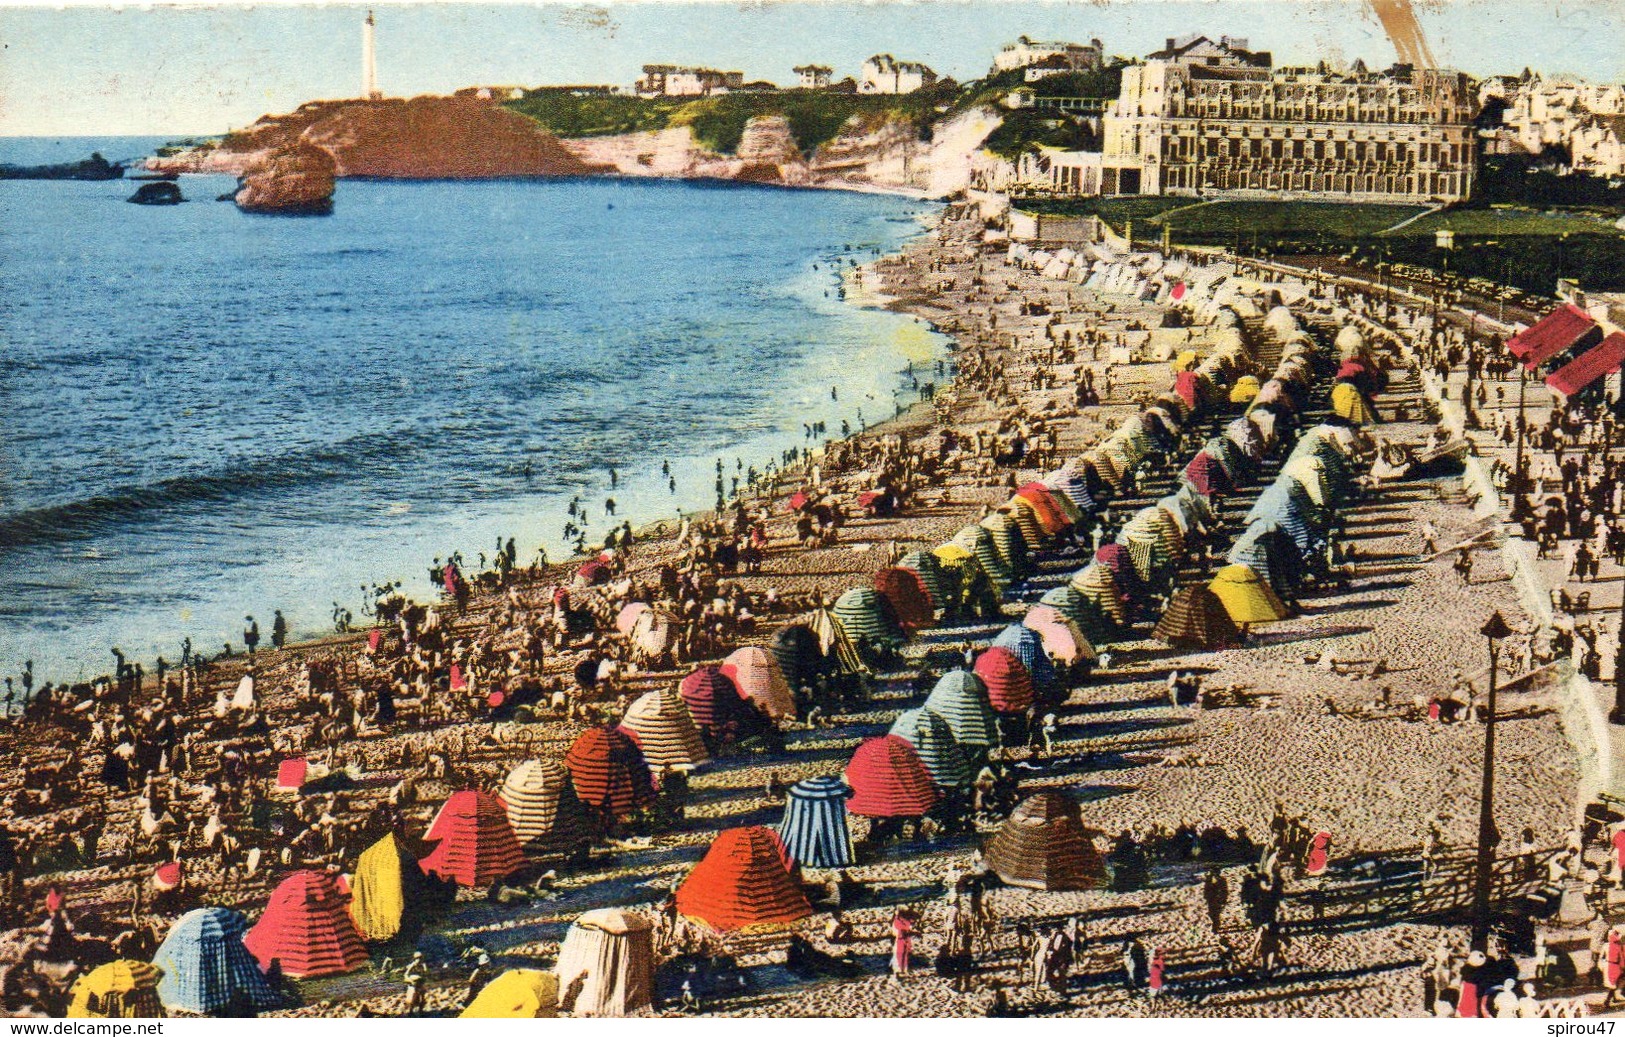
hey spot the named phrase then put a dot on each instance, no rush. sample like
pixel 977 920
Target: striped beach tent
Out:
pixel 1075 489
pixel 1265 549
pixel 908 596
pixel 756 674
pixel 939 586
pixel 1183 510
pixel 1248 437
pixel 386 879
pixel 1196 619
pixel 799 657
pixel 1309 472
pixel 713 700
pixel 864 614
pixel 610 953
pixel 516 994
pixel 543 811
pixel 933 740
pixel 960 699
pixel 1063 640
pixel 1027 646
pixel 832 640
pixel 1156 526
pixel 1350 404
pixel 1066 600
pixel 1009 685
pixel 1207 476
pixel 1044 845
pixel 1012 545
pixel 306 929
pixel 1068 512
pixel 1020 511
pixel 1096 584
pixel 205 966
pixel 609 772
pixel 888 780
pixel 743 883
pixel 1247 598
pixel 117 990
pixel 978 540
pixel 654 632
pixel 815 831
pixel 665 732
pixel 1130 587
pixel 474 844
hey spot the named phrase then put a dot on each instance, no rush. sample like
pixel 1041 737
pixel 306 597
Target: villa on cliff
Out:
pixel 687 81
pixel 813 77
pixel 884 74
pixel 1042 59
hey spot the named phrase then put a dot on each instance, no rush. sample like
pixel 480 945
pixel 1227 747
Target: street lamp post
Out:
pixel 1493 632
pixel 1617 714
pixel 1520 478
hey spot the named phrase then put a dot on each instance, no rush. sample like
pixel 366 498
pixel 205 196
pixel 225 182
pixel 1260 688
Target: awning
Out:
pixel 1598 362
pixel 1564 329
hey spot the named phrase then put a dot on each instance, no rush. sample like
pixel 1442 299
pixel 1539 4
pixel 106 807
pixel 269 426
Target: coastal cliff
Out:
pixel 298 181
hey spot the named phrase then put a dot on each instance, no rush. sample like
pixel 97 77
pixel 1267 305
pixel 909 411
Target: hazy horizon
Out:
pixel 198 70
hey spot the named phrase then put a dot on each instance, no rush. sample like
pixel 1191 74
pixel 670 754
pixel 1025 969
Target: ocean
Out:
pixel 209 415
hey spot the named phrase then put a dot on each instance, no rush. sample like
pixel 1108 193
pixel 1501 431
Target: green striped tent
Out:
pixel 938 583
pixel 960 699
pixel 1097 586
pixel 933 740
pixel 978 540
pixel 1067 601
pixel 865 614
pixel 1011 543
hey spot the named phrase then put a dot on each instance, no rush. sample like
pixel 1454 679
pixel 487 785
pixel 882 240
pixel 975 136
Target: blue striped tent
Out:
pixel 938 582
pixel 1075 490
pixel 979 542
pixel 206 967
pixel 933 741
pixel 960 699
pixel 864 613
pixel 814 830
pixel 1027 646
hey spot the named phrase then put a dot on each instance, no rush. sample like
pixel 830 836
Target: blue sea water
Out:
pixel 208 414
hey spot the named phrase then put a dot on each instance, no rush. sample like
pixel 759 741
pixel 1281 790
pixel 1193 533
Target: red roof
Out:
pixel 1598 362
pixel 1558 331
pixel 475 844
pixel 743 881
pixel 888 780
pixel 609 772
pixel 307 929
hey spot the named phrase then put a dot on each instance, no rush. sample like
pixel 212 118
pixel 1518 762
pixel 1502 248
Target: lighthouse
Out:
pixel 369 61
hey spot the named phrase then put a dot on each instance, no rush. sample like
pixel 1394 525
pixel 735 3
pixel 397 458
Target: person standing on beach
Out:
pixel 251 634
pixel 279 630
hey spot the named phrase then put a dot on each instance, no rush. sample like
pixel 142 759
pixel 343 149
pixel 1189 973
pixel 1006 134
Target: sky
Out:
pixel 87 69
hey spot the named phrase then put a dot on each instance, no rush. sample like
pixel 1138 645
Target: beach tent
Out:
pixel 307 929
pixel 654 632
pixel 1020 510
pixel 1062 639
pixel 1066 600
pixel 1207 476
pixel 1196 619
pixel 1154 526
pixel 714 701
pixel 1247 598
pixel 933 740
pixel 1009 685
pixel 205 966
pixel 960 699
pixel 543 811
pixel 1265 549
pixel 1012 546
pixel 117 990
pixel 1310 472
pixel 609 772
pixel 386 879
pixel 832 640
pixel 756 674
pixel 795 647
pixel 1054 509
pixel 1117 558
pixel 1044 845
pixel 1027 646
pixel 610 954
pixel 516 994
pixel 743 883
pixel 1097 585
pixel 1245 389
pixel 888 780
pixel 865 615
pixel 665 732
pixel 978 541
pixel 627 618
pixel 1248 438
pixel 908 596
pixel 1075 489
pixel 815 831
pixel 938 586
pixel 1351 405
pixel 475 845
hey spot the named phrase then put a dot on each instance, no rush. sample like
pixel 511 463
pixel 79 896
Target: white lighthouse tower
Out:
pixel 369 61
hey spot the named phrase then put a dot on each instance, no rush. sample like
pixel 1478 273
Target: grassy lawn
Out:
pixel 1507 222
pixel 1222 220
pixel 1115 211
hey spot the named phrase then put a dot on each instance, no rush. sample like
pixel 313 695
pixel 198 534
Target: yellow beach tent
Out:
pixel 117 990
pixel 1349 404
pixel 1246 597
pixel 517 994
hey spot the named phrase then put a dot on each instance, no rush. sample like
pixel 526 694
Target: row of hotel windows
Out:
pixel 1426 185
pixel 1175 149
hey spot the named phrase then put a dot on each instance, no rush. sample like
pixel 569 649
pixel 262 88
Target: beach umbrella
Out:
pixel 1044 845
pixel 865 615
pixel 961 700
pixel 610 952
pixel 1062 638
pixel 1351 405
pixel 1009 685
pixel 939 587
pixel 516 994
pixel 911 602
pixel 475 846
pixel 933 740
pixel 756 674
pixel 205 967
pixel 1246 597
pixel 664 730
pixel 888 780
pixel 543 810
pixel 609 772
pixel 1196 619
pixel 1012 545
pixel 1027 646
pixel 799 657
pixel 117 990
pixel 815 832
pixel 306 929
pixel 743 883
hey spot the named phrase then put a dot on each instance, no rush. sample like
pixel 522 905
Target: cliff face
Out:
pixel 424 138
pixel 299 180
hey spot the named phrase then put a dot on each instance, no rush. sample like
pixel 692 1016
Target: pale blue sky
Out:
pixel 96 70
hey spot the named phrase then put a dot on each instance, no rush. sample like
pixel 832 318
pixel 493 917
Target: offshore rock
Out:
pixel 295 182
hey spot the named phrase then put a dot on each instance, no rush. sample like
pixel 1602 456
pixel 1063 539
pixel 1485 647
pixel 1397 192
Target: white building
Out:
pixel 1588 119
pixel 1052 171
pixel 686 81
pixel 884 74
pixel 813 77
pixel 1053 55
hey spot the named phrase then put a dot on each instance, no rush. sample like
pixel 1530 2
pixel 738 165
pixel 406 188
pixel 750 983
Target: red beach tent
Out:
pixel 609 771
pixel 1566 328
pixel 743 882
pixel 910 600
pixel 888 780
pixel 476 845
pixel 307 929
pixel 712 697
pixel 1600 361
pixel 290 775
pixel 1009 685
